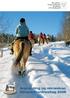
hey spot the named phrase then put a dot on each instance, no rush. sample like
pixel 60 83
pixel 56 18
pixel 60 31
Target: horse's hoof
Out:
pixel 19 73
pixel 30 54
pixel 24 73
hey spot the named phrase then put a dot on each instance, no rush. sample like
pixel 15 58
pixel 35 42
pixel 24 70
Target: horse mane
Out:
pixel 20 54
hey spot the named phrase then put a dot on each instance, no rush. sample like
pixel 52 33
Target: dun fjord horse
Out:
pixel 40 40
pixel 21 51
pixel 31 38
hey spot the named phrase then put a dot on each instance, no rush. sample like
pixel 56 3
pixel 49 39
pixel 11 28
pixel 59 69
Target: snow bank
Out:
pixel 47 73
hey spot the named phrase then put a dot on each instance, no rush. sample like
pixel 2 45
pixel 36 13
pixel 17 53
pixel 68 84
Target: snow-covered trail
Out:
pixel 7 76
pixel 48 72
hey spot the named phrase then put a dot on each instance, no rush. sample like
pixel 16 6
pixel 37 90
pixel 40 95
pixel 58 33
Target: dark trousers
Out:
pixel 22 38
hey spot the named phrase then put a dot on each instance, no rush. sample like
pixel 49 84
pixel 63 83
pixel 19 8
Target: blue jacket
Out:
pixel 22 30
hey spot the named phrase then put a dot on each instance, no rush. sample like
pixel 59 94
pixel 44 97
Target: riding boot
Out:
pixel 30 51
pixel 12 52
pixel 30 48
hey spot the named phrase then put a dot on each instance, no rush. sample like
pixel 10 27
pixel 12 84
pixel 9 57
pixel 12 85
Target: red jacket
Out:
pixel 41 35
pixel 31 36
pixel 44 36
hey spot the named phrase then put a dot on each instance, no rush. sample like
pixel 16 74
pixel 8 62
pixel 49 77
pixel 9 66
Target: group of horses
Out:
pixel 21 50
pixel 42 38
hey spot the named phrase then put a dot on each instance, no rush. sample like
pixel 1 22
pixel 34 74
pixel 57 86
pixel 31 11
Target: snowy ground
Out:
pixel 48 73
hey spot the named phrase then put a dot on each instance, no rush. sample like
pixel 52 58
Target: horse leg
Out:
pixel 30 48
pixel 39 42
pixel 24 68
pixel 43 41
pixel 19 69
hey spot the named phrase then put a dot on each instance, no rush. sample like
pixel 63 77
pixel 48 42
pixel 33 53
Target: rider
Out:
pixel 31 35
pixel 44 36
pixel 41 35
pixel 22 32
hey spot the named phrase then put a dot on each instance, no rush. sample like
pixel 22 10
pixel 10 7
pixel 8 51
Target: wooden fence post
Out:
pixel 1 52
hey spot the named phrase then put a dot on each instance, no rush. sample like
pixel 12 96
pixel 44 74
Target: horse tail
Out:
pixel 20 54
